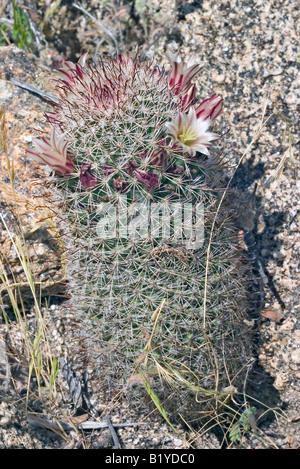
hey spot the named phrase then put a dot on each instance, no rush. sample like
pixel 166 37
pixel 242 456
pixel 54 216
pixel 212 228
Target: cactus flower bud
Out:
pixel 210 108
pixel 131 166
pixel 120 184
pixel 148 179
pixel 158 157
pixel 68 71
pixel 53 152
pixel 176 169
pixel 187 99
pixel 106 169
pixel 87 178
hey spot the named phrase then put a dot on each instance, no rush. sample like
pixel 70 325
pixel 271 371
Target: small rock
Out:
pixel 280 382
pixel 279 254
pixel 177 442
pixel 295 356
pixel 3 356
pixel 218 78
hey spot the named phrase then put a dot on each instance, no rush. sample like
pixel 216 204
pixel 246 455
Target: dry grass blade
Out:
pixel 154 317
pixel 3 144
pixel 38 350
pixel 35 342
pixel 52 425
pixel 156 400
pixel 288 154
pixel 3 131
pixel 100 25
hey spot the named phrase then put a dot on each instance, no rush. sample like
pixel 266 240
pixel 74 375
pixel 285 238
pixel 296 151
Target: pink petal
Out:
pixel 211 107
pixel 53 152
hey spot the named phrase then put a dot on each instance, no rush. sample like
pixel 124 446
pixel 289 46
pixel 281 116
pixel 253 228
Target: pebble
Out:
pixel 295 355
pixel 5 93
pixel 218 78
pixel 281 254
pixel 280 382
pixel 177 442
pixel 3 355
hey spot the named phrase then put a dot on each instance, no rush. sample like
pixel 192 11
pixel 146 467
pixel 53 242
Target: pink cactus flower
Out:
pixel 191 133
pixel 181 75
pixel 210 108
pixel 53 152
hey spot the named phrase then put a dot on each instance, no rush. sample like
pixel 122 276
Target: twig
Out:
pixel 33 89
pixel 36 33
pixel 113 433
pixel 92 425
pixel 55 425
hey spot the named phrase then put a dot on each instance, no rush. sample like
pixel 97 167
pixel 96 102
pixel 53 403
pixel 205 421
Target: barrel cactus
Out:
pixel 137 192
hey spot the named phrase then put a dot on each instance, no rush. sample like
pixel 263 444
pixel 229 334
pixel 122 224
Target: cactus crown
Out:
pixel 125 125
